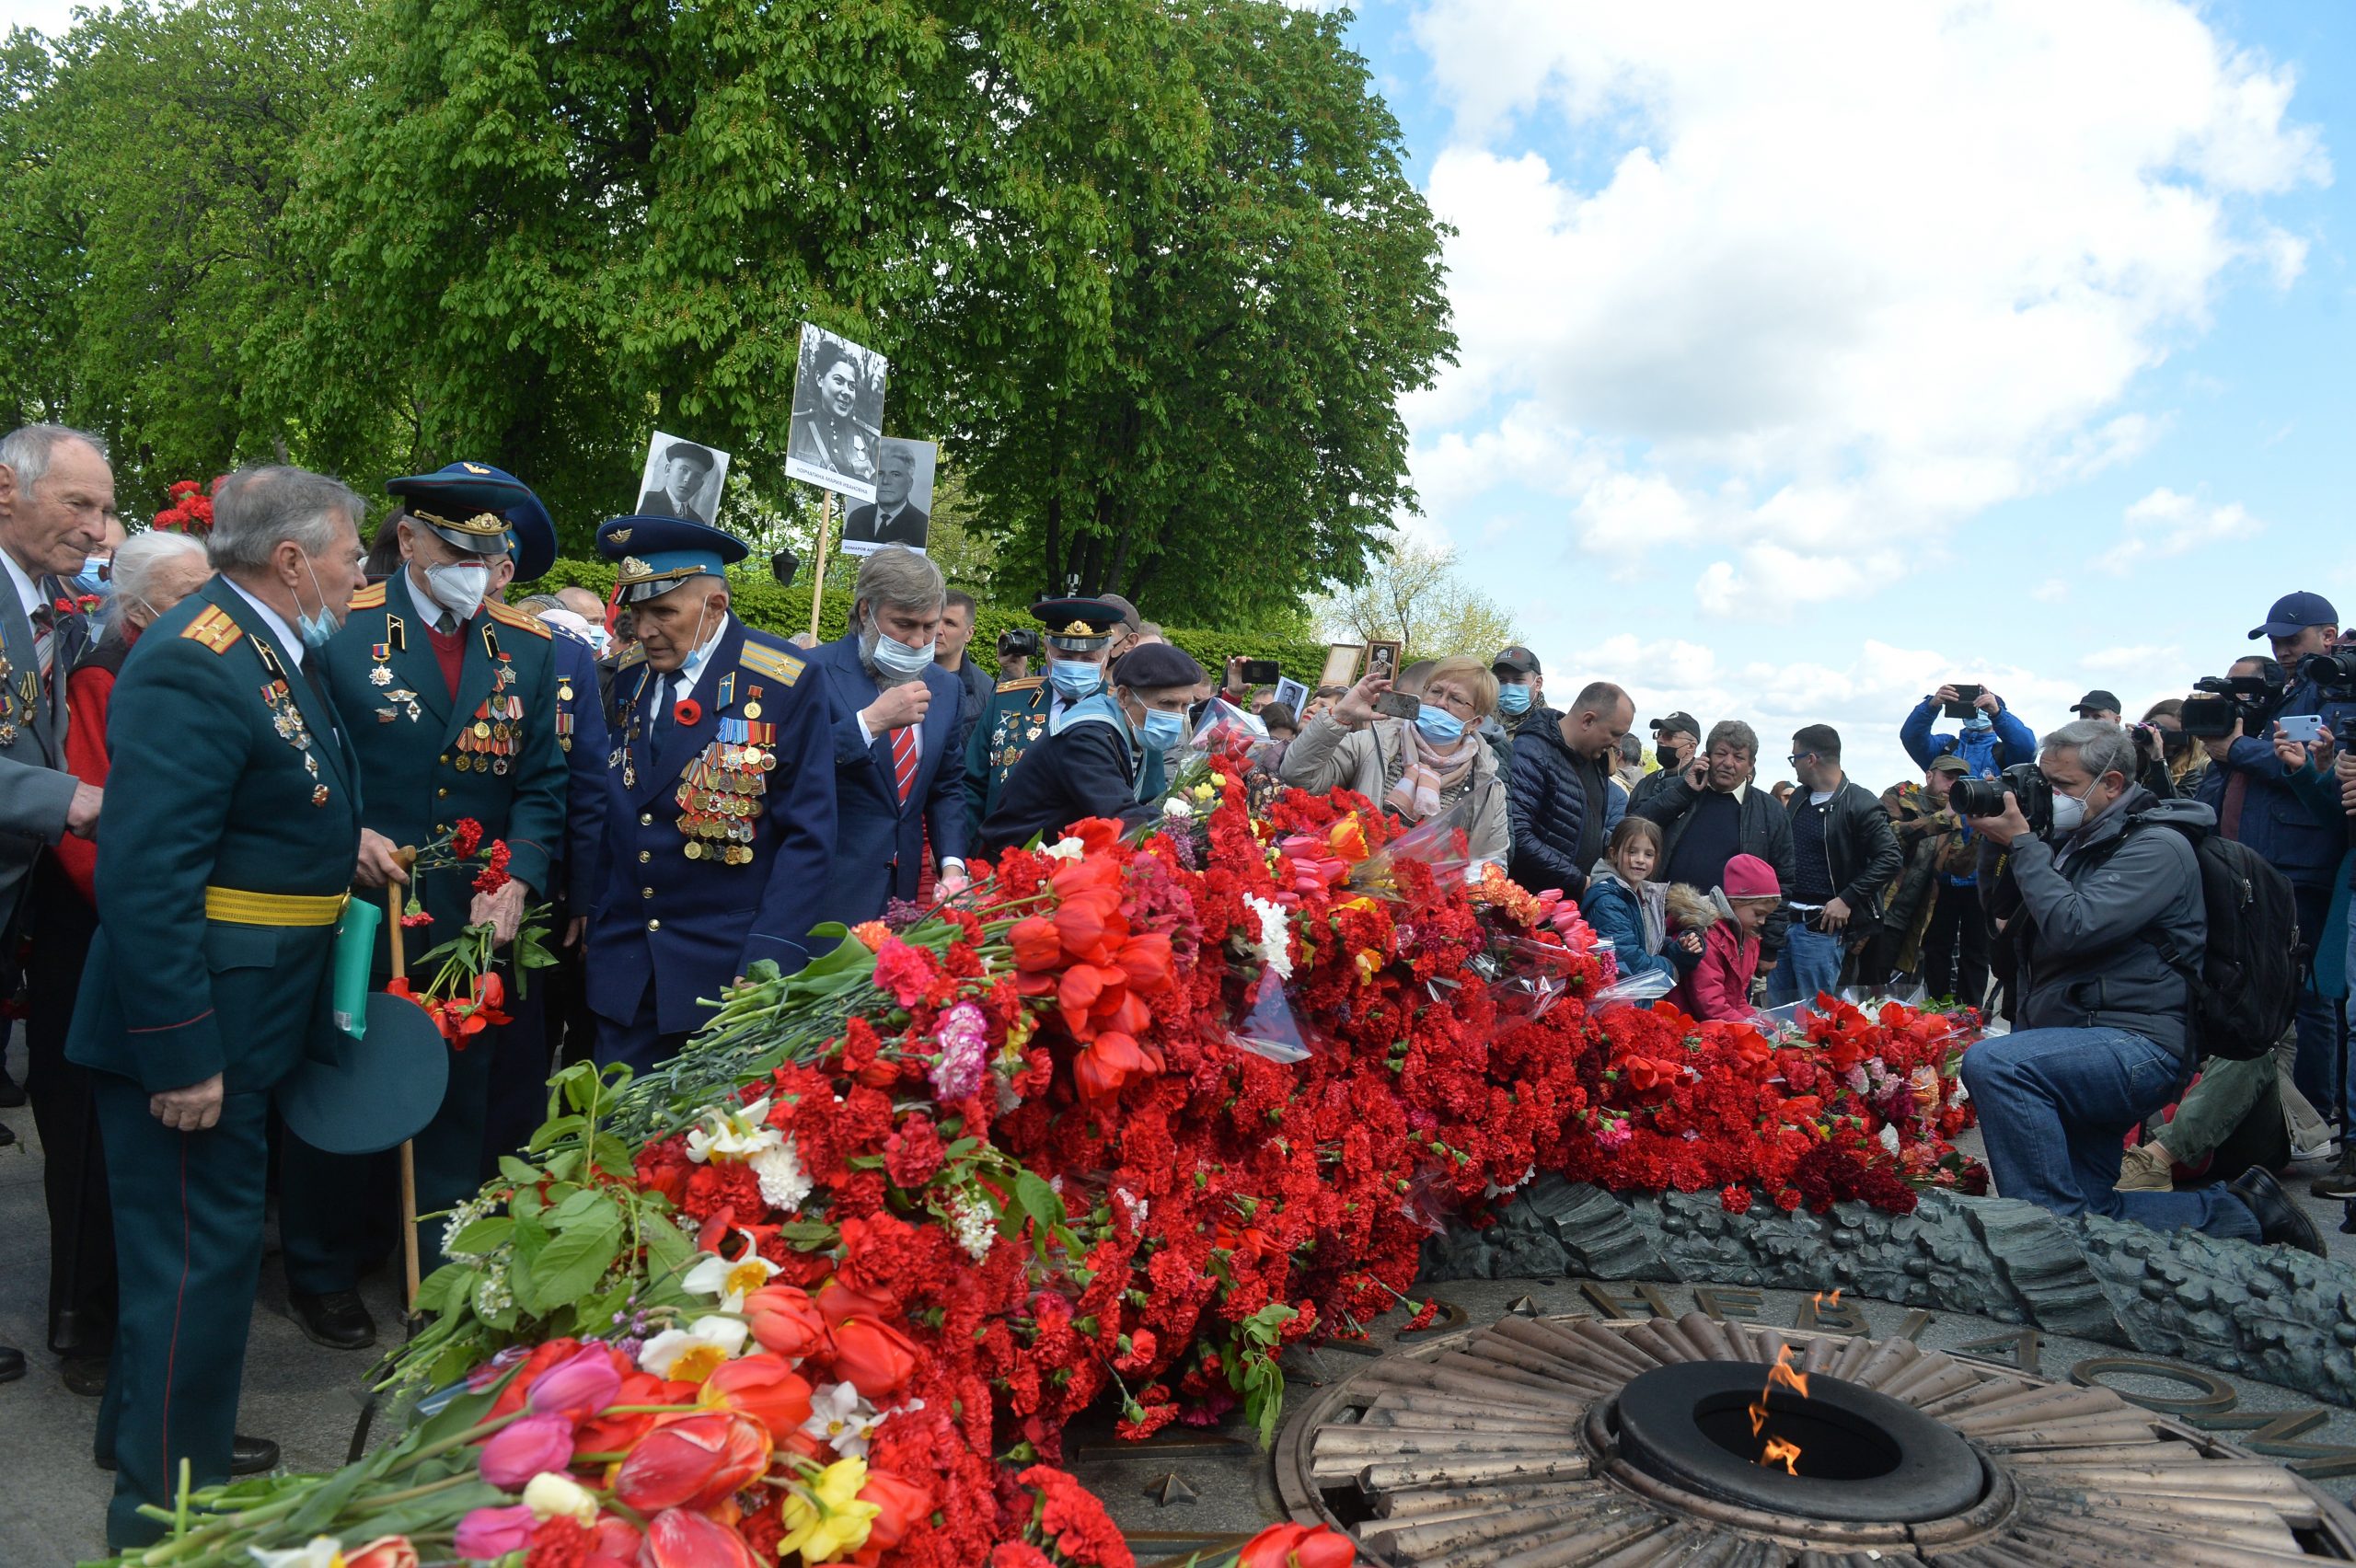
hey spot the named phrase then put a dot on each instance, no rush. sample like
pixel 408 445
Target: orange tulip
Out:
pixel 838 1301
pixel 692 1461
pixel 678 1539
pixel 906 1505
pixel 764 1388
pixel 785 1320
pixel 1146 960
pixel 1080 923
pixel 1108 1062
pixel 385 1552
pixel 1036 945
pixel 872 1357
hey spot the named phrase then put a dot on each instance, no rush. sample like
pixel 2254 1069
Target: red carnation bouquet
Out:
pixel 468 993
pixel 191 512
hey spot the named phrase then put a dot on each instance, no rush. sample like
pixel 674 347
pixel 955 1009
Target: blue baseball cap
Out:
pixel 657 554
pixel 2293 613
pixel 482 508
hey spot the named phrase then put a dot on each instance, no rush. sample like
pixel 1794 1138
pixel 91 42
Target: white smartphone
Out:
pixel 2304 728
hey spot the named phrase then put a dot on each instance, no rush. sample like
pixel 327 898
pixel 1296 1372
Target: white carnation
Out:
pixel 1274 945
pixel 784 1184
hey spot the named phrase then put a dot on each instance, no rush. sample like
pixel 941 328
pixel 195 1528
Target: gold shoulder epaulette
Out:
pixel 633 654
pixel 369 598
pixel 774 662
pixel 1028 683
pixel 215 629
pixel 523 620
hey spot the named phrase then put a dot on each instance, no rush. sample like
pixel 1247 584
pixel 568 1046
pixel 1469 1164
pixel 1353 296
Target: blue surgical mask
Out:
pixel 1513 699
pixel 898 659
pixel 1075 679
pixel 316 630
pixel 1979 720
pixel 91 579
pixel 1162 730
pixel 1439 726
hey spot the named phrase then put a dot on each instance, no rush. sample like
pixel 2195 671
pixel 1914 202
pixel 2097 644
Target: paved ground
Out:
pixel 308 1399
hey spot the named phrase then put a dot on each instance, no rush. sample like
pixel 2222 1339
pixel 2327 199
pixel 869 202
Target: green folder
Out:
pixel 355 949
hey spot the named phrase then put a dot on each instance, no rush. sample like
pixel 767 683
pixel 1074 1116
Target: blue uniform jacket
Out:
pixel 689 925
pixel 1989 751
pixel 879 840
pixel 589 783
pixel 210 787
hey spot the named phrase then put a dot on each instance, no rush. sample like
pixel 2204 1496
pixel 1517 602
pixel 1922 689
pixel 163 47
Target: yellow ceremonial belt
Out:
pixel 237 907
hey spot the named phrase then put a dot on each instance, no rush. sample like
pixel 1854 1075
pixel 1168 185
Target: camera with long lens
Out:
pixel 2250 701
pixel 1019 644
pixel 1985 797
pixel 2334 674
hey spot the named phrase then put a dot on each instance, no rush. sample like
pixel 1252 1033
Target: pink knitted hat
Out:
pixel 1748 876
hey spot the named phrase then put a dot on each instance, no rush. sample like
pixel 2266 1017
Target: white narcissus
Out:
pixel 715 1275
pixel 734 1132
pixel 692 1353
pixel 841 1420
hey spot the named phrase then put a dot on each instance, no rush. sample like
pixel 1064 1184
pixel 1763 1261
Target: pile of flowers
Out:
pixel 191 512
pixel 1121 1123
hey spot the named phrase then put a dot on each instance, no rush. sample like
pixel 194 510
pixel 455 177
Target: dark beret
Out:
pixel 1156 665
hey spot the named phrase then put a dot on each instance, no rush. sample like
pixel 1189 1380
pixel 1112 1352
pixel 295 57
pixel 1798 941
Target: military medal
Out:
pixel 381 671
pixel 286 718
pixel 564 714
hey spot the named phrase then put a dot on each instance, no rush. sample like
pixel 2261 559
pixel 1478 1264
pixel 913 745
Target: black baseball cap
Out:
pixel 1516 661
pixel 1677 723
pixel 2096 701
pixel 2293 613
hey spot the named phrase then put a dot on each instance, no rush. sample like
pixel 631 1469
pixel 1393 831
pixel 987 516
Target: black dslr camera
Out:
pixel 2250 701
pixel 1021 643
pixel 2335 677
pixel 1985 797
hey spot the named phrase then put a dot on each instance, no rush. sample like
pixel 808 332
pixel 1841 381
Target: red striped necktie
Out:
pixel 903 759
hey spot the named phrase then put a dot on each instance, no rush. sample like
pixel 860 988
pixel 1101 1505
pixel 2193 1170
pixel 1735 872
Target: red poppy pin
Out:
pixel 687 710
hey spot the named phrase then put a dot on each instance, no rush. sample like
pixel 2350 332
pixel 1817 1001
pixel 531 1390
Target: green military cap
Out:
pixel 380 1091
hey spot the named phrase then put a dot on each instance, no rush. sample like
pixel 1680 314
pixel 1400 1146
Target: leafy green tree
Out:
pixel 1241 447
pixel 1413 594
pixel 543 228
pixel 148 153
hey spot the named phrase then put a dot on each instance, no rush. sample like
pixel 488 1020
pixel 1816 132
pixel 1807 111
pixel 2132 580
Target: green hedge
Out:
pixel 785 611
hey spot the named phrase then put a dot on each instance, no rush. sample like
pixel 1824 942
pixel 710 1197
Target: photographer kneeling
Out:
pixel 2095 899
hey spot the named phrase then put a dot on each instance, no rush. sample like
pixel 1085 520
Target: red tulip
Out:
pixel 692 1462
pixel 1080 922
pixel 385 1552
pixel 1128 1016
pixel 492 1533
pixel 580 1386
pixel 1146 960
pixel 677 1538
pixel 612 1433
pixel 1108 1062
pixel 1036 945
pixel 1078 991
pixel 786 1320
pixel 1295 1546
pixel 838 1301
pixel 906 1505
pixel 764 1388
pixel 872 1357
pixel 524 1448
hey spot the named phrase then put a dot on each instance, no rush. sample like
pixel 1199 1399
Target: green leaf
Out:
pixel 570 1264
pixel 483 1236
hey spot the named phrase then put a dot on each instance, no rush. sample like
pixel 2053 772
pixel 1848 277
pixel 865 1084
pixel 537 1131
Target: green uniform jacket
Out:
pixel 1015 716
pixel 229 772
pixel 425 763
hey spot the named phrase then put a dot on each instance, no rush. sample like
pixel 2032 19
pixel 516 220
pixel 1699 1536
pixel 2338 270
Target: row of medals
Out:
pixel 719 799
pixel 489 742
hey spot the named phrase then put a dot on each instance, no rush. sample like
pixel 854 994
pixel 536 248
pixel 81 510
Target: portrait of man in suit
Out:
pixel 837 422
pixel 899 513
pixel 682 479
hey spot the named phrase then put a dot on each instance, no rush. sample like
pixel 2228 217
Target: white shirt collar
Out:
pixel 27 593
pixel 276 622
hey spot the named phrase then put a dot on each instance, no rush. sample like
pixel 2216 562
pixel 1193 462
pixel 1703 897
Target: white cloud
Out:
pixel 2137 659
pixel 2052 591
pixel 2166 523
pixel 1841 282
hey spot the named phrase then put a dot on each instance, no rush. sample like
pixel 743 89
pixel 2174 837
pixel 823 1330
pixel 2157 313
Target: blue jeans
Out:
pixel 1809 963
pixel 2055 1107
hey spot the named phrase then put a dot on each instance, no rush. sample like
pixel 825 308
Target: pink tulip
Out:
pixel 488 1534
pixel 525 1449
pixel 577 1387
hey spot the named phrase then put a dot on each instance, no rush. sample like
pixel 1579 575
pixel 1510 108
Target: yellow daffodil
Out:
pixel 823 1520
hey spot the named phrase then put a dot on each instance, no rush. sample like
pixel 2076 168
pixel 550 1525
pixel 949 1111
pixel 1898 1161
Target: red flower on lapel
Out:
pixel 687 711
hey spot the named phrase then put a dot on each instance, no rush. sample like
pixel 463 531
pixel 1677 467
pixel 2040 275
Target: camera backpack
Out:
pixel 2245 986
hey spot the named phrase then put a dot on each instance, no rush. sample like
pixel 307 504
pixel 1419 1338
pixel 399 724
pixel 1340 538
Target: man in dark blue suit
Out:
pixel 898 760
pixel 723 820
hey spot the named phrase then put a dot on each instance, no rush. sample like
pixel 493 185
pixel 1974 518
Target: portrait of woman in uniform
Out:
pixel 838 424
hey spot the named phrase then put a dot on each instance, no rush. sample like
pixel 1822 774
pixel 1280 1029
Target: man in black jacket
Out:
pixel 1845 856
pixel 1710 813
pixel 1555 800
pixel 1674 740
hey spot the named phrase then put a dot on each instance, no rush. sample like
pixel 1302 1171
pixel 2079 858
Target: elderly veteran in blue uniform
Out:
pixel 450 698
pixel 723 818
pixel 898 720
pixel 1079 637
pixel 1102 757
pixel 227 847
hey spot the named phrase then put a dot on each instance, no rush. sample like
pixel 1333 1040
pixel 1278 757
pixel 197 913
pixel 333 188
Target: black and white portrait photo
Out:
pixel 901 513
pixel 682 479
pixel 836 437
pixel 1382 659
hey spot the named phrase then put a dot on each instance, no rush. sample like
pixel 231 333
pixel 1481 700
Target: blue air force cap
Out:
pixel 488 511
pixel 2293 613
pixel 657 554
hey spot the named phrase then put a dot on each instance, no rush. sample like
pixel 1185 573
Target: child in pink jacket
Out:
pixel 1719 985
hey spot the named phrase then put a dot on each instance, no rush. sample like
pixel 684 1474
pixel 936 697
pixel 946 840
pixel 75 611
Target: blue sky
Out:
pixel 1814 354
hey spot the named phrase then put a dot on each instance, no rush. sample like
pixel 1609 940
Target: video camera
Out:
pixel 2334 674
pixel 2250 701
pixel 1985 797
pixel 1022 642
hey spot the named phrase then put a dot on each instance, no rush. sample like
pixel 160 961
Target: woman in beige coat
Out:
pixel 1413 769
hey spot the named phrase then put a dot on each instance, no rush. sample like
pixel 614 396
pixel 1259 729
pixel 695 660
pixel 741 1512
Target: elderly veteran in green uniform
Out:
pixel 1080 632
pixel 1101 756
pixel 226 852
pixel 451 700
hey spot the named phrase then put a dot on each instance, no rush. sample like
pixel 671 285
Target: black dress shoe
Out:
pixel 7 1137
pixel 247 1456
pixel 12 1093
pixel 85 1374
pixel 335 1319
pixel 12 1363
pixel 2281 1222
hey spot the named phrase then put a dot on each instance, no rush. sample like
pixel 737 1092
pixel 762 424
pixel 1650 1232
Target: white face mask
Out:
pixel 2070 812
pixel 459 589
